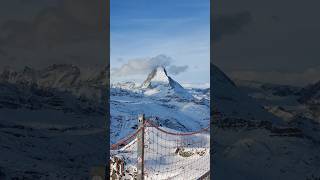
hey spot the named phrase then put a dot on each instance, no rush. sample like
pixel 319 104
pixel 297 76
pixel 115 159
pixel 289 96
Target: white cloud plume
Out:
pixel 144 66
pixel 177 69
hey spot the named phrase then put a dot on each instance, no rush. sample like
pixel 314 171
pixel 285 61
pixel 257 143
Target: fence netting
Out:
pixel 168 154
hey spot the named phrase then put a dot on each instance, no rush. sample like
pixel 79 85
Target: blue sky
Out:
pixel 176 29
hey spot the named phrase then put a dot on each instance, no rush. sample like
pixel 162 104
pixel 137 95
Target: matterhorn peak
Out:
pixel 158 75
pixel 158 81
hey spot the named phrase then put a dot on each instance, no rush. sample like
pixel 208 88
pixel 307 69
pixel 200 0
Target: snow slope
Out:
pixel 232 102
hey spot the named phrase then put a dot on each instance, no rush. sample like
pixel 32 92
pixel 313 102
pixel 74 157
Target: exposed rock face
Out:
pixel 159 83
pixel 158 75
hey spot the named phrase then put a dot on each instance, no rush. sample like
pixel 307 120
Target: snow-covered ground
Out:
pixel 163 160
pixel 64 146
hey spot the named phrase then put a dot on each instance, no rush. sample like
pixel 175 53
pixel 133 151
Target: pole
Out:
pixel 140 140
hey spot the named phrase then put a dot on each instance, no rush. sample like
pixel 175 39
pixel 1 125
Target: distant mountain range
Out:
pixel 55 87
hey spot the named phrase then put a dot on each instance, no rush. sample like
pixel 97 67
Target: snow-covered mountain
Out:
pixel 232 102
pixel 63 77
pixel 159 83
pixel 161 97
pixel 51 123
pixel 55 87
pixel 246 150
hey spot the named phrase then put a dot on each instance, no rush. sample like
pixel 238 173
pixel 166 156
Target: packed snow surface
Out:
pixel 162 161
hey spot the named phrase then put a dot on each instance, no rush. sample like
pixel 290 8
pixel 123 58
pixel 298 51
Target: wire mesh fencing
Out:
pixel 167 154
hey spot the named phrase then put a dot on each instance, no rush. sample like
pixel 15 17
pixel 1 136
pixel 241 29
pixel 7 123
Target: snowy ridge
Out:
pixel 158 83
pixel 62 77
pixel 158 75
pixel 232 102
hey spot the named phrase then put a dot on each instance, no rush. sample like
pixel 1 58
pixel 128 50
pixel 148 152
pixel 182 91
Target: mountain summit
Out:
pixel 158 82
pixel 157 76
